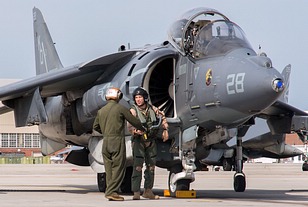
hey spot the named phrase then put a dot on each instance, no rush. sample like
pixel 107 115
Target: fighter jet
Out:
pixel 206 77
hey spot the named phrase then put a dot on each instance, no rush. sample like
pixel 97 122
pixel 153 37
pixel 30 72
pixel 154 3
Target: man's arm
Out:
pixel 130 127
pixel 96 125
pixel 132 119
pixel 158 112
pixel 165 126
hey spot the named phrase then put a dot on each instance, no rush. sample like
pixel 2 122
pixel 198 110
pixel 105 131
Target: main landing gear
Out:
pixel 305 166
pixel 182 184
pixel 126 183
pixel 181 175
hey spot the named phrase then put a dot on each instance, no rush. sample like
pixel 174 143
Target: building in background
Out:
pixel 21 141
pixel 17 142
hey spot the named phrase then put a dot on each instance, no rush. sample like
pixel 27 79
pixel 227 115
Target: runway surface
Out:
pixel 69 185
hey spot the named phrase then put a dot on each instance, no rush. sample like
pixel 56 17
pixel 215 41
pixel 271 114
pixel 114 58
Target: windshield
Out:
pixel 218 38
pixel 205 32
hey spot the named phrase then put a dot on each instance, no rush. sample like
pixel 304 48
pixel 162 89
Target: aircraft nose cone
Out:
pixel 256 91
pixel 278 85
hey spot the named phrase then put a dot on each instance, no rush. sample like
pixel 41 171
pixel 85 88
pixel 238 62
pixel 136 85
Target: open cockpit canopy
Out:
pixel 205 32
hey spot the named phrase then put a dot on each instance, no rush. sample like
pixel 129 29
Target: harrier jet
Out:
pixel 206 77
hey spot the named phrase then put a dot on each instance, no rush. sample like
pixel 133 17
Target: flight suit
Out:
pixel 144 149
pixel 110 121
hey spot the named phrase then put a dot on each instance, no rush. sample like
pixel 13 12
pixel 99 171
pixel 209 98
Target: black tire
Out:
pixel 127 181
pixel 101 182
pixel 239 182
pixel 227 164
pixel 305 167
pixel 183 184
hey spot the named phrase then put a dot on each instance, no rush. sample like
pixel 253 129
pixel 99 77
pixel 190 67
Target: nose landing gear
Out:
pixel 239 182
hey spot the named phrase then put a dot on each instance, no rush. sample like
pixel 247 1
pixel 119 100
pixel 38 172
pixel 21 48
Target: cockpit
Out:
pixel 204 32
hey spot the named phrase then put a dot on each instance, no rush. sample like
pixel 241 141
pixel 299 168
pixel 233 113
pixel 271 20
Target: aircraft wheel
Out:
pixel 239 182
pixel 183 184
pixel 227 164
pixel 127 182
pixel 305 166
pixel 101 182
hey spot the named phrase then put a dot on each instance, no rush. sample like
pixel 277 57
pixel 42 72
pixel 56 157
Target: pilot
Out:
pixel 194 34
pixel 110 121
pixel 143 144
pixel 195 31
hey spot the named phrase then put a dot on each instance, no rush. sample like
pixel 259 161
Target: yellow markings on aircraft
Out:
pixel 208 77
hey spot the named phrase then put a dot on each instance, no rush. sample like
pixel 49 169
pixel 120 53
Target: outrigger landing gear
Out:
pixel 239 182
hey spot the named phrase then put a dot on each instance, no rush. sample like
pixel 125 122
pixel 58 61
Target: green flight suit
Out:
pixel 144 151
pixel 110 121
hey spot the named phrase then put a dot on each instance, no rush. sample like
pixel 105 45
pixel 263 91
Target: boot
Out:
pixel 149 194
pixel 114 197
pixel 136 196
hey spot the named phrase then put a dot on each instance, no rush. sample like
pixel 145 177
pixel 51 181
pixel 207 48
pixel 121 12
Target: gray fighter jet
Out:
pixel 211 84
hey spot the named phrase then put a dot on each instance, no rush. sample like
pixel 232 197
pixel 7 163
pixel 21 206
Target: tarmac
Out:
pixel 59 185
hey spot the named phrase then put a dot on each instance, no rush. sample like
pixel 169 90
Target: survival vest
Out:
pixel 148 118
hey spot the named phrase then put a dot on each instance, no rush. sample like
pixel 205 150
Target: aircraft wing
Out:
pixel 5 109
pixel 284 118
pixel 280 108
pixel 77 78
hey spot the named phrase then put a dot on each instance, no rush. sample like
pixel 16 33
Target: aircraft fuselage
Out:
pixel 219 91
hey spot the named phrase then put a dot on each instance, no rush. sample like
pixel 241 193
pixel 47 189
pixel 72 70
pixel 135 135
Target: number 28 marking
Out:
pixel 235 83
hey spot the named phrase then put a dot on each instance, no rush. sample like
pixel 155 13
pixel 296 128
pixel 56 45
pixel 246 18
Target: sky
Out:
pixel 84 30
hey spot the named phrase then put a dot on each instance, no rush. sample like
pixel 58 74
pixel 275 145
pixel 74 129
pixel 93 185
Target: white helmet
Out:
pixel 113 94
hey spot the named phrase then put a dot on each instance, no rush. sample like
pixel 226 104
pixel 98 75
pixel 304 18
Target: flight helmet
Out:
pixel 113 94
pixel 142 92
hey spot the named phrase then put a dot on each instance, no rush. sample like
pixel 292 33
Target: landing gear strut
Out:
pixel 239 182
